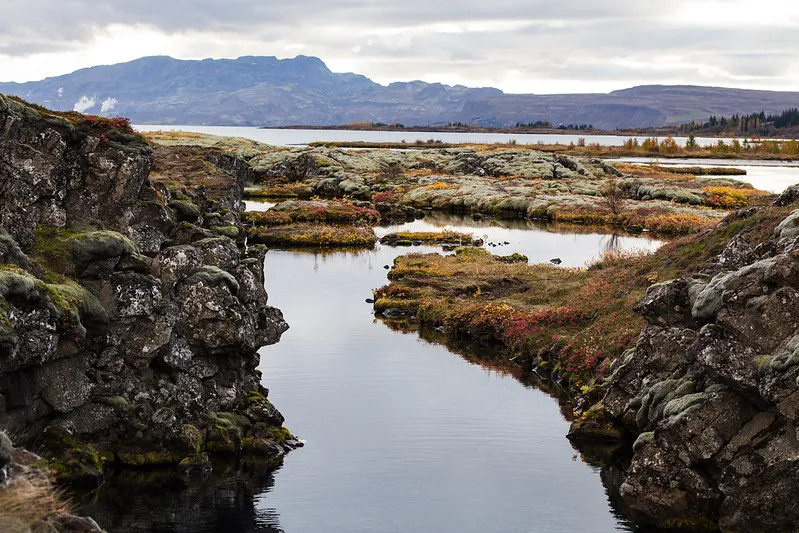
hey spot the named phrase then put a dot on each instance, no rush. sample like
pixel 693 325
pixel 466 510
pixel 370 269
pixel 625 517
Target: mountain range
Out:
pixel 266 91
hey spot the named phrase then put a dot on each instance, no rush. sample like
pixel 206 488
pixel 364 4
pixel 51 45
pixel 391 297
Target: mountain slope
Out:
pixel 258 91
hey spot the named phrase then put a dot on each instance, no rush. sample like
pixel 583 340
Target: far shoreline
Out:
pixel 570 131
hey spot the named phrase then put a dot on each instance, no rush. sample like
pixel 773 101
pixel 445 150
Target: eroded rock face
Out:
pixel 148 329
pixel 712 391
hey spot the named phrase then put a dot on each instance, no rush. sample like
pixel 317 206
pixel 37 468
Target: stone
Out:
pixel 155 322
pixel 711 394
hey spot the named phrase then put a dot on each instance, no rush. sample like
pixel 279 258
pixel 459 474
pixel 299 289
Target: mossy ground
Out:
pixel 501 181
pixel 573 321
pixel 314 236
pixel 407 238
pixel 323 211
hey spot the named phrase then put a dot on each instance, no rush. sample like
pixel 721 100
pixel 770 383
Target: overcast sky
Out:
pixel 530 46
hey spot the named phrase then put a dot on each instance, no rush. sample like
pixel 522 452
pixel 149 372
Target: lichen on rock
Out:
pixel 129 313
pixel 711 391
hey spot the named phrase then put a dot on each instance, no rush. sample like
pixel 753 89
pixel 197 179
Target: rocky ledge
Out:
pixel 710 392
pixel 130 310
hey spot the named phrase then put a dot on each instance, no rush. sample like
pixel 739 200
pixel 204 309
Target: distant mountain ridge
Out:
pixel 266 91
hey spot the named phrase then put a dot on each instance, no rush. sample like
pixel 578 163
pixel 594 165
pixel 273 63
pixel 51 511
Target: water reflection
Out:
pixel 574 245
pixel 772 176
pixel 605 459
pixel 402 435
pixel 233 499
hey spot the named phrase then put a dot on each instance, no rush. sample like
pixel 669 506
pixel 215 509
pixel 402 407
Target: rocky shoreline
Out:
pixel 130 310
pixel 710 392
pixel 695 424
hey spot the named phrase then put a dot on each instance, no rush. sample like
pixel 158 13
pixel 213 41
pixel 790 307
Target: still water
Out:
pixel 772 176
pixel 284 137
pixel 573 245
pixel 402 434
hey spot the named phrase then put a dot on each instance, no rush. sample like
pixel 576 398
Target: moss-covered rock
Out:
pixel 213 276
pixel 73 461
pixel 95 246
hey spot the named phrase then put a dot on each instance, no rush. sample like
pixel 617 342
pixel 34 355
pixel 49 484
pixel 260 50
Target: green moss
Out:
pixel 762 361
pixel 73 298
pixel 212 276
pixel 152 458
pixel 430 237
pixel 191 437
pixel 432 312
pixel 513 258
pixel 384 304
pixel 679 405
pixel 195 460
pixel 643 439
pixel 259 446
pixel 51 249
pixel 228 231
pixel 186 211
pixel 221 447
pixel 280 434
pixel 72 459
pixel 117 402
pixel 698 523
pixel 319 236
pixel 98 246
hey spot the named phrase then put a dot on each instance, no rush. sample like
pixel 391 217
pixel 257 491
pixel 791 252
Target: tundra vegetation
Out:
pixel 574 322
pixel 346 188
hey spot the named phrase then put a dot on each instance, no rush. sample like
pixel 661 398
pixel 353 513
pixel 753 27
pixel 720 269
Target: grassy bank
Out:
pixel 314 236
pixel 574 322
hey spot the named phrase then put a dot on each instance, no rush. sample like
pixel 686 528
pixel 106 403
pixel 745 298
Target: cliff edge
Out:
pixel 130 310
pixel 710 392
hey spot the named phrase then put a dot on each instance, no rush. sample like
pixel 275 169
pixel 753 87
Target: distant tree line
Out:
pixel 750 125
pixel 548 124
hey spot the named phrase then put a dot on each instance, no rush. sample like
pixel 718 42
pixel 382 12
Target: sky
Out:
pixel 532 46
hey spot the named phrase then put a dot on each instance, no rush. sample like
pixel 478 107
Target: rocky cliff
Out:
pixel 710 392
pixel 130 311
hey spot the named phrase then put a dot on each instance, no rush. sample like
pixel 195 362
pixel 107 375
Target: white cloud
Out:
pixel 84 104
pixel 107 105
pixel 536 45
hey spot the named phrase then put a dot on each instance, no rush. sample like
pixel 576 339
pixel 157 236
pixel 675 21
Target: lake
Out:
pixel 286 137
pixel 772 176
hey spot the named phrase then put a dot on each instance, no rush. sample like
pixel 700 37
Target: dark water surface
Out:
pixel 402 435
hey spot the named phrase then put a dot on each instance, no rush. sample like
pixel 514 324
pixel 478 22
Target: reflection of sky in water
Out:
pixel 772 176
pixel 535 241
pixel 539 242
pixel 258 205
pixel 404 436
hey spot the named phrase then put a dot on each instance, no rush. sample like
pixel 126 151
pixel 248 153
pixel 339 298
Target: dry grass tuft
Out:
pixel 30 499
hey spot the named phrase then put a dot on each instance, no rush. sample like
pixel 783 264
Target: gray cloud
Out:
pixel 622 42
